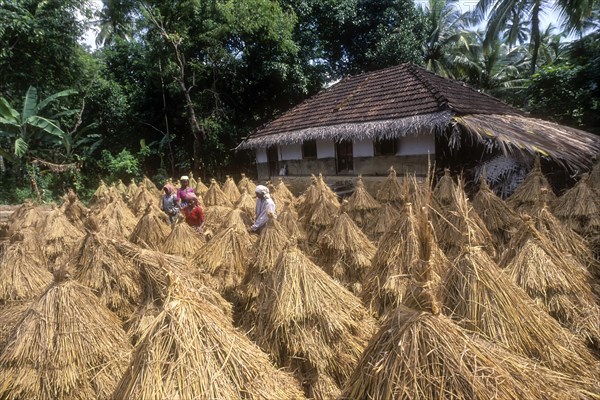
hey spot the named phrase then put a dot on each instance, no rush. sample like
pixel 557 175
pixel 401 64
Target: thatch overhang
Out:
pixel 408 100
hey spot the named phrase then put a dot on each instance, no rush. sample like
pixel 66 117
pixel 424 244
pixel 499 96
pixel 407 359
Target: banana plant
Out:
pixel 20 130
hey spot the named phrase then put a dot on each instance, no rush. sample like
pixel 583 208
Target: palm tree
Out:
pixel 115 19
pixel 504 13
pixel 447 38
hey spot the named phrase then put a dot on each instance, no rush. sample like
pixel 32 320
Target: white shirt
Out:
pixel 264 206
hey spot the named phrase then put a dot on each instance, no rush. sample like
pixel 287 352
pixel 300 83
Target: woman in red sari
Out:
pixel 194 216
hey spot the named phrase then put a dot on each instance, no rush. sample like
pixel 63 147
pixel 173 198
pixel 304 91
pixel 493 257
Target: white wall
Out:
pixel 363 148
pixel 261 155
pixel 325 149
pixel 419 144
pixel 291 152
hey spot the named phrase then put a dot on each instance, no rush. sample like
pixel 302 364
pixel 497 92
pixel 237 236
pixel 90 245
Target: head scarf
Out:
pixel 168 188
pixel 263 190
pixel 191 198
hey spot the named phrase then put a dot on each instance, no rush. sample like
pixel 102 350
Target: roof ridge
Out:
pixel 441 99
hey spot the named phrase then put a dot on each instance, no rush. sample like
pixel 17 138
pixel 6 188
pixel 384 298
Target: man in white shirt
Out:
pixel 264 206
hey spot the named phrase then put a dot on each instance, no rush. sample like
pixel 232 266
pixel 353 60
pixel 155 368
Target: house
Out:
pixel 407 117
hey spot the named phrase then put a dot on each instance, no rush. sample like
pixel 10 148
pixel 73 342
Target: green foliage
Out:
pixel 123 166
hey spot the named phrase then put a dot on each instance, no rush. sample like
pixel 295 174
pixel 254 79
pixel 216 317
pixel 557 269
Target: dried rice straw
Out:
pixel 200 189
pixel 214 196
pixel 183 240
pixel 361 205
pixel 578 208
pixel 281 194
pixel 150 231
pixel 500 219
pixel 310 324
pixel 59 236
pixel 391 191
pixel 247 204
pixel 67 345
pixel 230 189
pixel 529 196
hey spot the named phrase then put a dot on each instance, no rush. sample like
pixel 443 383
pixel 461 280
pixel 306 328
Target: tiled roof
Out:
pixel 389 94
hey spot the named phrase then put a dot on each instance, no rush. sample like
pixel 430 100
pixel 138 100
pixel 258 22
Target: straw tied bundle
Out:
pixel 391 191
pixel 387 282
pixel 230 189
pixel 560 285
pixel 183 240
pixel 150 231
pixel 191 351
pixel 532 193
pixel 115 279
pixel 578 208
pixel 361 205
pixel 67 345
pixel 59 235
pixel 310 324
pixel 500 219
pixel 420 353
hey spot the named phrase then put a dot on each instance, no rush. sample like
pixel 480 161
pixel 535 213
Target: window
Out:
pixel 385 147
pixel 309 149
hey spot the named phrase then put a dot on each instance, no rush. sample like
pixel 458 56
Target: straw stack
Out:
pixel 531 194
pixel 100 192
pixel 444 190
pixel 394 261
pixel 183 240
pixel 346 252
pixel 578 208
pixel 282 195
pixel 482 299
pixel 214 196
pixel 383 219
pixel 67 345
pixel 561 286
pixel 247 204
pixel 23 273
pixel 323 215
pixel 121 188
pixel 230 189
pixel 500 219
pixel 74 210
pixel 361 205
pixel 200 189
pixel 131 191
pixel 310 324
pixel 391 191
pixel 27 215
pixel 151 187
pixel 190 350
pixel 246 183
pixel 193 181
pixel 308 198
pixel 150 231
pixel 288 218
pixel 115 279
pixel 116 220
pixel 214 218
pixel 143 197
pixel 59 236
pixel 225 257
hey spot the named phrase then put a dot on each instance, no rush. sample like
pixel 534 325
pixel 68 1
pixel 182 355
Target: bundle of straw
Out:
pixel 116 220
pixel 27 215
pixel 382 220
pixel 200 189
pixel 500 219
pixel 150 231
pixel 578 208
pixel 391 190
pixel 142 198
pixel 310 324
pixel 193 181
pixel 115 279
pixel 456 224
pixel 230 189
pixel 225 257
pixel 100 192
pixel 529 196
pixel 322 216
pixel 150 186
pixel 444 190
pixel 361 205
pixel 10 314
pixel 23 273
pixel 183 240
pixel 346 252
pixel 394 262
pixel 214 218
pixel 60 237
pixel 67 345
pixel 561 286
pixel 246 183
pixel 288 218
pixel 237 219
pixel 131 191
pixel 214 196
pixel 482 299
pixel 281 194
pixel 420 355
pixel 121 188
pixel 190 350
pixel 74 210
pixel 247 204
pixel 308 198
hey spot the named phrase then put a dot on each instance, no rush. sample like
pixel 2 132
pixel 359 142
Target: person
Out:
pixel 183 191
pixel 169 204
pixel 264 206
pixel 194 216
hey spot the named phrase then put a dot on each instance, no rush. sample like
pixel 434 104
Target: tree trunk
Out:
pixel 535 35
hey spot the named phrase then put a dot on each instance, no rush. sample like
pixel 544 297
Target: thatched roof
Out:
pixel 409 100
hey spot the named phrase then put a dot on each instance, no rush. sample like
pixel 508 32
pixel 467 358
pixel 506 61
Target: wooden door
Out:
pixel 344 157
pixel 273 160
